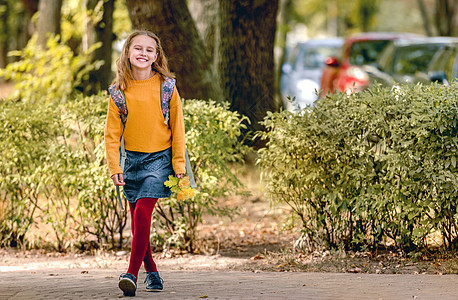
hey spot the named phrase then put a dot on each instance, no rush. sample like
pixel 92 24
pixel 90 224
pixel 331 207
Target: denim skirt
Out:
pixel 145 174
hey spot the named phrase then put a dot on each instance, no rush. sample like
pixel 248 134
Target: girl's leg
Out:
pixel 148 262
pixel 141 222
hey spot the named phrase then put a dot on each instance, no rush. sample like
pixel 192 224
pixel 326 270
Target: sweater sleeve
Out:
pixel 113 133
pixel 178 133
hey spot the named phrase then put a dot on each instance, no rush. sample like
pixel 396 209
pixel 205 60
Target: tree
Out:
pixel 99 29
pixel 366 12
pixel 206 17
pixel 446 11
pixel 48 20
pixel 445 16
pixel 247 61
pixel 336 17
pixel 424 16
pixel 188 56
pixel 3 35
pixel 284 11
pixel 15 26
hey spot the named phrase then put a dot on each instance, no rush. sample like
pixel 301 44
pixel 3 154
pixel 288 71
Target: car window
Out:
pixel 451 65
pixel 385 62
pixel 315 57
pixel 366 52
pixel 439 59
pixel 413 58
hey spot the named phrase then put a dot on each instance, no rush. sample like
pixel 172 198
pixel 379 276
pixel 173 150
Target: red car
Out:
pixel 345 74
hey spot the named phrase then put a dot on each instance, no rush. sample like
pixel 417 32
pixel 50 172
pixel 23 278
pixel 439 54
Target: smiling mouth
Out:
pixel 142 59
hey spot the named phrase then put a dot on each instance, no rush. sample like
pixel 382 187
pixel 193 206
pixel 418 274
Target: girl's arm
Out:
pixel 113 132
pixel 178 132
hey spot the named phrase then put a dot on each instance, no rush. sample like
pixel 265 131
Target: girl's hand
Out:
pixel 180 176
pixel 117 179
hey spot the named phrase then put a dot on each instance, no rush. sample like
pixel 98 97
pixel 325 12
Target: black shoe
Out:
pixel 127 283
pixel 154 282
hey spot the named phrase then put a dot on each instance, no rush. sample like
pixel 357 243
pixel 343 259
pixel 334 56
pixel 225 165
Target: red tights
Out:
pixel 140 213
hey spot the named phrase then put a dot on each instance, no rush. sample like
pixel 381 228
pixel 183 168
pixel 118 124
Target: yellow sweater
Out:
pixel 145 129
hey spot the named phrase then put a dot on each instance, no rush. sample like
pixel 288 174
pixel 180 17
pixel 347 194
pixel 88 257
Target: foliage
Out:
pixel 215 151
pixel 54 174
pixel 26 136
pixel 98 214
pixel 349 16
pixel 54 74
pixel 14 21
pixel 50 149
pixel 75 15
pixel 180 186
pixel 121 21
pixel 366 169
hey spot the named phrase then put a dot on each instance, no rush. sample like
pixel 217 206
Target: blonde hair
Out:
pixel 124 74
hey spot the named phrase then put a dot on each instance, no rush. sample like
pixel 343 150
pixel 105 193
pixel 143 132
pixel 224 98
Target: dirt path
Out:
pixel 102 284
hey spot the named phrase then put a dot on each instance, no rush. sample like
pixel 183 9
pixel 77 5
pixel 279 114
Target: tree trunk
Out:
pixel 4 34
pixel 15 26
pixel 367 10
pixel 186 52
pixel 424 16
pixel 88 39
pixel 284 11
pixel 104 31
pixel 332 17
pixel 101 31
pixel 206 18
pixel 48 20
pixel 247 61
pixel 446 11
pixel 30 7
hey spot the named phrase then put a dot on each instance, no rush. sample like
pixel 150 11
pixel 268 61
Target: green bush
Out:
pixel 53 172
pixel 24 140
pixel 40 167
pixel 99 219
pixel 365 169
pixel 213 143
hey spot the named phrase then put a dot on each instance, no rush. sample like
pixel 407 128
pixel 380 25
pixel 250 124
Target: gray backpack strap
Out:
pixel 192 181
pixel 123 162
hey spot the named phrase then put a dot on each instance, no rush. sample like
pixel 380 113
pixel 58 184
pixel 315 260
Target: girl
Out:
pixel 155 149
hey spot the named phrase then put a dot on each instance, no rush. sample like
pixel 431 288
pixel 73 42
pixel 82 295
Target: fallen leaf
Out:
pixel 354 270
pixel 257 257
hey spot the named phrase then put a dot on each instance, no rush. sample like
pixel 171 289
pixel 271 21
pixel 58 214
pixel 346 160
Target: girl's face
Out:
pixel 142 52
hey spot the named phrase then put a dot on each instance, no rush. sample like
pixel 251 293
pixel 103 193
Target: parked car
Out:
pixel 403 59
pixel 301 73
pixel 345 73
pixel 443 67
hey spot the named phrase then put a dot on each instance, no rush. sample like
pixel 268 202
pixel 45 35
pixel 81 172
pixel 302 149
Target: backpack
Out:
pixel 166 95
